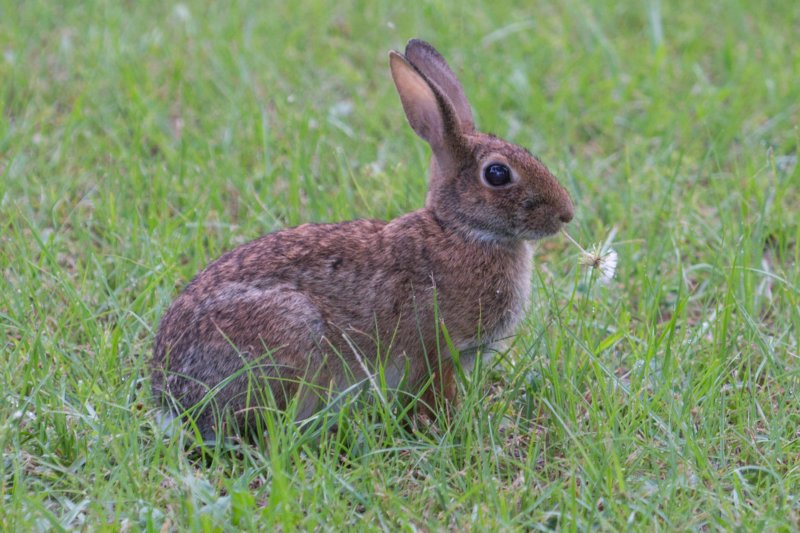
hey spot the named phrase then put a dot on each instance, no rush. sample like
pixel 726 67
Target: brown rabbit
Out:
pixel 311 310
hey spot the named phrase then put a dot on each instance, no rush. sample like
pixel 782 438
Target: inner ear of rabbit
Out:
pixel 429 112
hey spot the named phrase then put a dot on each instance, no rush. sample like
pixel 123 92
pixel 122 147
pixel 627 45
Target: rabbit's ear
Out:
pixel 429 112
pixel 433 66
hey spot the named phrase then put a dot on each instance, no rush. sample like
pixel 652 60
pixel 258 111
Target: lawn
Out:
pixel 140 140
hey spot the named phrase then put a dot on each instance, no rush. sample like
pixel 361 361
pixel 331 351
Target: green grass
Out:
pixel 140 140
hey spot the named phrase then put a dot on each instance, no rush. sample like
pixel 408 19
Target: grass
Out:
pixel 138 141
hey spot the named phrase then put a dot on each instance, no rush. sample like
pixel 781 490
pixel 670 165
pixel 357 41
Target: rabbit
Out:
pixel 310 311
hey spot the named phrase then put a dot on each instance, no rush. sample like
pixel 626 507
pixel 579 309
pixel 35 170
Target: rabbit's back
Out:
pixel 265 305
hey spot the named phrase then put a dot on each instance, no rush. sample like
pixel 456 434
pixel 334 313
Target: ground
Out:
pixel 140 140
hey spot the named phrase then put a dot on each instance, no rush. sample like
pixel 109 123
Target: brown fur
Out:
pixel 316 304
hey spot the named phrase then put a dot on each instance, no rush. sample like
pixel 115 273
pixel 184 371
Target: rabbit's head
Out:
pixel 483 186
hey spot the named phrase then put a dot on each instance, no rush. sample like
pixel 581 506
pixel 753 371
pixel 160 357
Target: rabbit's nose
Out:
pixel 567 212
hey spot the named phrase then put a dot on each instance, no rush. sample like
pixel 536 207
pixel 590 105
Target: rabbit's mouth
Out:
pixel 540 232
pixel 546 221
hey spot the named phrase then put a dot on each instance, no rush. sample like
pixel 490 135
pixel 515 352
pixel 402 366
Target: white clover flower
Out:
pixel 600 257
pixel 604 260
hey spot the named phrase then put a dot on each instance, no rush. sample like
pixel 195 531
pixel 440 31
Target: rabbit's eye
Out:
pixel 497 175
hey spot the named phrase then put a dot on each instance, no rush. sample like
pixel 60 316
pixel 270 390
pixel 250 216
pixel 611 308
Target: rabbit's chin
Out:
pixel 481 235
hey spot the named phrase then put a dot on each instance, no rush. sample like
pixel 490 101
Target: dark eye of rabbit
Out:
pixel 497 175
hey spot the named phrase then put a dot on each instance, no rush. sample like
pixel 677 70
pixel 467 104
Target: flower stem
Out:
pixel 573 241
